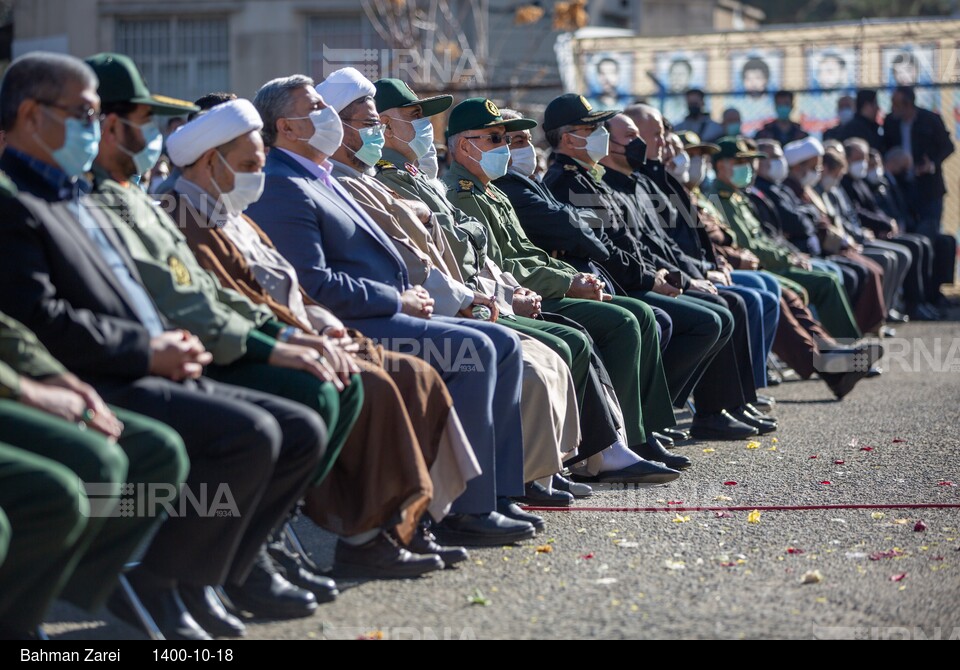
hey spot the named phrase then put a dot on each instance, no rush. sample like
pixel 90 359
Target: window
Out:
pixel 182 58
pixel 334 42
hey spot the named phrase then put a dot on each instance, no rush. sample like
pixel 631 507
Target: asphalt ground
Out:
pixel 869 573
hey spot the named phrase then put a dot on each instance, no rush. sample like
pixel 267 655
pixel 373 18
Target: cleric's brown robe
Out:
pixel 406 435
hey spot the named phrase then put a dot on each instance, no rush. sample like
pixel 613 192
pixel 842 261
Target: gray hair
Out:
pixel 452 143
pixel 642 111
pixel 510 114
pixel 273 102
pixel 41 76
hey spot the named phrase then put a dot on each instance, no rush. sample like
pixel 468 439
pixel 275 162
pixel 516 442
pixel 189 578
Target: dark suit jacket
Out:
pixel 344 260
pixel 57 283
pixel 862 127
pixel 790 215
pixel 929 139
pixel 869 212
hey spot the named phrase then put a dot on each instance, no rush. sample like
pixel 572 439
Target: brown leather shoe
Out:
pixel 382 558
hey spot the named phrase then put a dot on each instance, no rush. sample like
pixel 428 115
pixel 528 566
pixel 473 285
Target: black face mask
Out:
pixel 635 151
pixel 694 109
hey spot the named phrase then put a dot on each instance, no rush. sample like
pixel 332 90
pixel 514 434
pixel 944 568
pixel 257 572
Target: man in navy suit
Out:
pixel 349 265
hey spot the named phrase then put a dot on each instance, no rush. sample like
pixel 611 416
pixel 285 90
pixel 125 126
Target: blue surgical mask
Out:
pixel 147 157
pixel 423 136
pixel 732 128
pixel 742 175
pixel 846 115
pixel 494 162
pixel 783 112
pixel 81 144
pixel 373 141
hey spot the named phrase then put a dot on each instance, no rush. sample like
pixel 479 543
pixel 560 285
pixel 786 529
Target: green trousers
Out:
pixel 339 410
pixel 625 334
pixel 63 545
pixel 568 343
pixel 827 294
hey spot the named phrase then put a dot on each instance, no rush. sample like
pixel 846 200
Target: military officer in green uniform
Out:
pixel 407 138
pixel 825 290
pixel 56 434
pixel 476 137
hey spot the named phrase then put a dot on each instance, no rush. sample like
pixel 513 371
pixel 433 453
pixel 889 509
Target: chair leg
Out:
pixel 149 625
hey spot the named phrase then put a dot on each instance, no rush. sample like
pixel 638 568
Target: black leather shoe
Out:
pixel 676 434
pixel 842 384
pixel 720 426
pixel 576 489
pixel 164 606
pixel 267 595
pixel 763 426
pixel 382 558
pixel 205 607
pixel 537 495
pixel 425 542
pixel 296 571
pixel 765 403
pixel 644 472
pixel 654 451
pixel 511 510
pixel 483 530
pixel 665 441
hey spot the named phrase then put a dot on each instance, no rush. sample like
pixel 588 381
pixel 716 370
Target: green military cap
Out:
pixel 121 81
pixel 571 109
pixel 691 142
pixel 395 93
pixel 477 113
pixel 736 147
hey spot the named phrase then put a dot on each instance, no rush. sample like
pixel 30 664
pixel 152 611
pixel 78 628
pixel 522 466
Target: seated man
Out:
pixel 464 241
pixel 407 424
pixel 805 162
pixel 889 180
pixel 801 341
pixel 189 298
pixel 469 183
pixel 885 231
pixel 650 213
pixel 551 422
pixel 824 288
pixel 346 263
pixel 72 282
pixel 56 434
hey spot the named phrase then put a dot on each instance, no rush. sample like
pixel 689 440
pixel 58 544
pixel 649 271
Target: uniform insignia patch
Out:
pixel 570 167
pixel 465 185
pixel 492 108
pixel 180 273
pixel 385 165
pixel 411 168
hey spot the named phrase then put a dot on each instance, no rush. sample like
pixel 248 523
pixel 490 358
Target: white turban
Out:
pixel 344 86
pixel 211 129
pixel 802 150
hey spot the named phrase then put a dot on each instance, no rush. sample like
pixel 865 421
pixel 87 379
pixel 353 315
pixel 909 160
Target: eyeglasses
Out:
pixel 495 138
pixel 88 115
pixel 376 128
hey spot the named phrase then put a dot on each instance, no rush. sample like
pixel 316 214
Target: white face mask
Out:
pixel 696 175
pixel 597 143
pixel 875 176
pixel 247 189
pixel 810 178
pixel 859 169
pixel 429 164
pixel 846 115
pixel 827 182
pixel 778 170
pixel 524 160
pixel 327 130
pixel 494 162
pixel 680 167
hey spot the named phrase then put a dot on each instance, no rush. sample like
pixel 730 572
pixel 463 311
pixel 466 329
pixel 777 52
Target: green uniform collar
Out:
pixel 460 178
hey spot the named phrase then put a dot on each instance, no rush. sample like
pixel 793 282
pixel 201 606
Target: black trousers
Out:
pixel 251 451
pixel 944 264
pixel 728 382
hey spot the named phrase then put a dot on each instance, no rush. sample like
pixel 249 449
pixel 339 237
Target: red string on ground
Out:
pixel 747 508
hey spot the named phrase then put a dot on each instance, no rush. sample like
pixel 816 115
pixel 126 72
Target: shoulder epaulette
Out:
pixel 570 167
pixel 464 186
pixel 724 193
pixel 385 165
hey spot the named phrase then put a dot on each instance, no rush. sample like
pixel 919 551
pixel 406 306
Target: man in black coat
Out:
pixel 69 278
pixel 924 136
pixel 864 123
